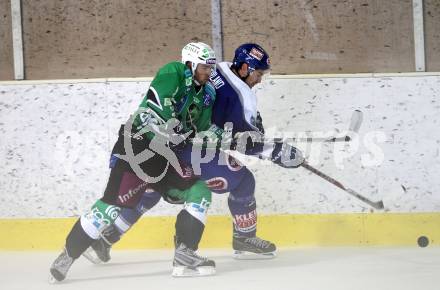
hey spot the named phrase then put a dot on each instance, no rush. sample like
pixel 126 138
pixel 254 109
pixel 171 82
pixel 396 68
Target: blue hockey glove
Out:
pixel 286 155
pixel 259 123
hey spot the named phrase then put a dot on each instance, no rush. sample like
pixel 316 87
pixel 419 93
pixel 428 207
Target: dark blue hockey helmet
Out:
pixel 252 54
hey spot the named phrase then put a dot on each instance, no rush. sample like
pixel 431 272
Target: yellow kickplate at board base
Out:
pixel 357 229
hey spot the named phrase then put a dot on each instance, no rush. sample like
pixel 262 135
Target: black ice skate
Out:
pixel 252 248
pixel 60 267
pixel 187 263
pixel 99 252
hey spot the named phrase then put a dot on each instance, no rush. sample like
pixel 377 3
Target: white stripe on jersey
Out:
pixel 247 97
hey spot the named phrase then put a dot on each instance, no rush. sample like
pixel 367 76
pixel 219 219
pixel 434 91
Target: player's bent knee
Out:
pixel 100 216
pixel 197 200
pixel 246 187
pixel 199 193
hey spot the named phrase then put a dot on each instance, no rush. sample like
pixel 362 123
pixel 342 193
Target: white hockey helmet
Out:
pixel 198 52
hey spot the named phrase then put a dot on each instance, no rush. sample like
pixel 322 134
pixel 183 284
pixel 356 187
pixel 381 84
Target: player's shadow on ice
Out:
pixel 149 265
pixel 141 262
pixel 285 258
pixel 225 264
pixel 168 260
pixel 164 273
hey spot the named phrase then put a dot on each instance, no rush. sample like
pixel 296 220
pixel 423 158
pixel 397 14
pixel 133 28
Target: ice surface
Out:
pixel 298 268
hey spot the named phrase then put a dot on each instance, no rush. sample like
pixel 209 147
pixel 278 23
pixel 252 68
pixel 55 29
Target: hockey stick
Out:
pixel 355 124
pixel 375 204
pixel 353 127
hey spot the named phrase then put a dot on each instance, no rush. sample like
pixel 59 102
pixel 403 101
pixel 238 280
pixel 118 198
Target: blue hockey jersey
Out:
pixel 235 103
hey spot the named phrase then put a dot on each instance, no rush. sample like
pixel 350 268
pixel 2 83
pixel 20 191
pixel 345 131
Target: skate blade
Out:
pixel 90 255
pixel 244 255
pixel 183 271
pixel 52 280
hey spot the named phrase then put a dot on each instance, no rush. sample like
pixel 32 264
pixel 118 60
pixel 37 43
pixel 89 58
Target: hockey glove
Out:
pixel 259 123
pixel 286 155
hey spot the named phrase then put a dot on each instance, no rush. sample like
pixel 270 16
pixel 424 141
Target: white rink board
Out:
pixel 56 140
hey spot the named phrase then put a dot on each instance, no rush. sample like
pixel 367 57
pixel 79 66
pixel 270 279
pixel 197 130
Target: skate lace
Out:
pixel 63 261
pixel 256 241
pixel 194 254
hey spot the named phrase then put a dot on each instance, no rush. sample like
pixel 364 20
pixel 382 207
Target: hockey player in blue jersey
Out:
pixel 235 104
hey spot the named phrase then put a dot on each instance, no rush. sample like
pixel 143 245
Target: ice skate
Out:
pixel 188 264
pixel 249 248
pixel 99 252
pixel 60 267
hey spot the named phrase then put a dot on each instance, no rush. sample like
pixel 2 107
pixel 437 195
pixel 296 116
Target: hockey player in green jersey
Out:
pixel 177 106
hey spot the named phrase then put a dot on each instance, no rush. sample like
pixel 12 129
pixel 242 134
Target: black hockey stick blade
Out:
pixel 379 205
pixel 375 204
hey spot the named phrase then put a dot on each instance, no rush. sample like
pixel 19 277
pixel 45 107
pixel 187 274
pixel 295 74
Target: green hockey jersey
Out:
pixel 173 94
